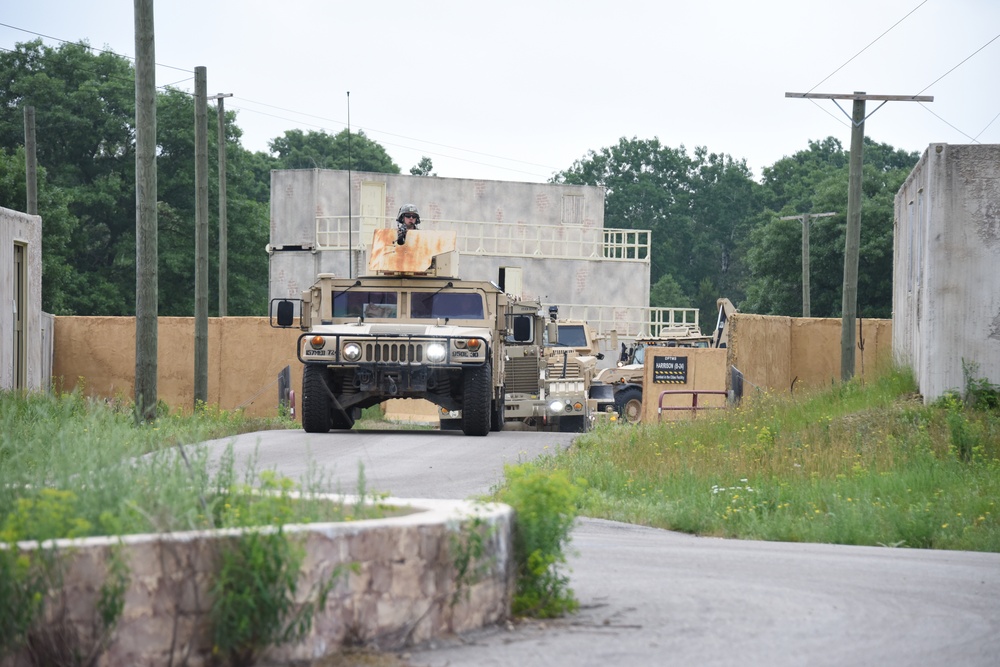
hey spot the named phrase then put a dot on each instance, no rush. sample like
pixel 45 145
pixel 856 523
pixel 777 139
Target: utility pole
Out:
pixel 30 161
pixel 223 223
pixel 849 307
pixel 804 219
pixel 146 277
pixel 200 237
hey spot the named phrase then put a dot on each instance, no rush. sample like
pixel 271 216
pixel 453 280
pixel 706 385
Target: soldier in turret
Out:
pixel 407 220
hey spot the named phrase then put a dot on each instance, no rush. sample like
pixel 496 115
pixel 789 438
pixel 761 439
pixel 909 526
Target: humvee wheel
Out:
pixel 478 399
pixel 628 402
pixel 316 405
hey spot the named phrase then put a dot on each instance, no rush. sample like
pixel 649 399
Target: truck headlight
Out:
pixel 352 352
pixel 556 406
pixel 436 353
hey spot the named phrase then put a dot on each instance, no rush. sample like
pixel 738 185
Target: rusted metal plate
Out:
pixel 415 256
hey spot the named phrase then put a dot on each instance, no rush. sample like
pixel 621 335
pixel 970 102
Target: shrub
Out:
pixel 546 505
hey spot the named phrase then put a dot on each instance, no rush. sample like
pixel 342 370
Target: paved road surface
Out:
pixel 655 597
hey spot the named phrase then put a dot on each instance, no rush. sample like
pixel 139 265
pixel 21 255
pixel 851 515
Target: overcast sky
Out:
pixel 518 90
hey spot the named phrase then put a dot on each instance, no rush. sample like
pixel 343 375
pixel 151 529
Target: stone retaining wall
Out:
pixel 404 590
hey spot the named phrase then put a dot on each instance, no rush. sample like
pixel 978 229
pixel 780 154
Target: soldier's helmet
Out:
pixel 408 209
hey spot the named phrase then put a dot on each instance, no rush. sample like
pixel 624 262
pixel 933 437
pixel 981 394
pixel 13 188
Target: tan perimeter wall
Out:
pixel 245 355
pixel 772 351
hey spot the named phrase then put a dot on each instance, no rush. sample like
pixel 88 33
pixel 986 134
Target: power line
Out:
pixel 383 132
pixel 869 46
pixel 86 46
pixel 960 64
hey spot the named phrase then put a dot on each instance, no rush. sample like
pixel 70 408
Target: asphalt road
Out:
pixel 655 597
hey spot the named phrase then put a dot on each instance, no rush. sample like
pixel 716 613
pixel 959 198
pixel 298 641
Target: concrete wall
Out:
pixel 404 590
pixel 25 230
pixel 773 352
pixel 946 286
pixel 555 233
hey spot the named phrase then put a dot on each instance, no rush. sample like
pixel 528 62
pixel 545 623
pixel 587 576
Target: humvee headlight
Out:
pixel 556 406
pixel 436 353
pixel 317 342
pixel 352 352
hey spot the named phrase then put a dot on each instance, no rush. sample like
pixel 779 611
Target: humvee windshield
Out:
pixel 367 304
pixel 452 305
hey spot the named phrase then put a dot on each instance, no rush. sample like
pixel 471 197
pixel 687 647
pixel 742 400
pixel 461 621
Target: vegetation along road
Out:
pixel 656 597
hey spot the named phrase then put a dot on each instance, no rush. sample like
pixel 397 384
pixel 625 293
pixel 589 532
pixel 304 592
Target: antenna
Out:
pixel 350 208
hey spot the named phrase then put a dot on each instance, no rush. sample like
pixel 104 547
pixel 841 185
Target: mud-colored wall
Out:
pixel 773 352
pixel 705 370
pixel 245 356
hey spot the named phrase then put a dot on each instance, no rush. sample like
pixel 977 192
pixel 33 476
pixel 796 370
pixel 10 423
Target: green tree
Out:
pixel 815 181
pixel 84 110
pixel 697 209
pixel 85 145
pixel 423 168
pixel 319 150
pixel 666 293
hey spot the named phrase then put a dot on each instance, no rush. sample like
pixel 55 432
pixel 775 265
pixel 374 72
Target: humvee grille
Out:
pixel 400 352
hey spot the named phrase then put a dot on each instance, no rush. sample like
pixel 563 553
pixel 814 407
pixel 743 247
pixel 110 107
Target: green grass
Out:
pixel 855 464
pixel 76 467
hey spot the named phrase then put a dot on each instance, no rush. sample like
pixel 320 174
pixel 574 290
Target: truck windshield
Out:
pixel 451 305
pixel 367 304
pixel 572 335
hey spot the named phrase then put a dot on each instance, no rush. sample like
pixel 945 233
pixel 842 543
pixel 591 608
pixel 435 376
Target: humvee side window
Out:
pixel 451 305
pixel 350 303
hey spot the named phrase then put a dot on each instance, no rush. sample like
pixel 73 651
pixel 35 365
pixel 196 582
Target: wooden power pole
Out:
pixel 200 237
pixel 849 308
pixel 30 162
pixel 223 223
pixel 804 219
pixel 146 277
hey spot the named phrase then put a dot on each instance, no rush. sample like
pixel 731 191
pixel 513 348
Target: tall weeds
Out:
pixel 855 464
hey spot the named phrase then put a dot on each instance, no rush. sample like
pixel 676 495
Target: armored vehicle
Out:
pixel 550 366
pixel 409 329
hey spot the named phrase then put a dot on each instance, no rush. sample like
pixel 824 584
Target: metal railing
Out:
pixel 694 407
pixel 505 239
pixel 629 321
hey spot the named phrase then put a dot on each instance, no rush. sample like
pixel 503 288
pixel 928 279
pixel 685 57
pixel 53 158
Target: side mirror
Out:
pixel 522 328
pixel 286 313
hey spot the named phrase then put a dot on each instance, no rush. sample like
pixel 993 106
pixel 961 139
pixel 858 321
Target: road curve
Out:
pixel 655 597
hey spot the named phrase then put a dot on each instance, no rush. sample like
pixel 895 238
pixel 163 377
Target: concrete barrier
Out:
pixel 404 590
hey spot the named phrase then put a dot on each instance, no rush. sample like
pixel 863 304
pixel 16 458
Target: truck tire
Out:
pixel 316 405
pixel 628 403
pixel 478 399
pixel 497 410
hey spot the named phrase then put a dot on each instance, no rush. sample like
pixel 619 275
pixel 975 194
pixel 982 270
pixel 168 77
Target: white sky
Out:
pixel 518 90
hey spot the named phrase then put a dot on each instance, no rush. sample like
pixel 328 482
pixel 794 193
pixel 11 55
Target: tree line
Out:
pixel 715 230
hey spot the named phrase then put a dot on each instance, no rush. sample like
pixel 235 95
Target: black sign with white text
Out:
pixel 670 370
